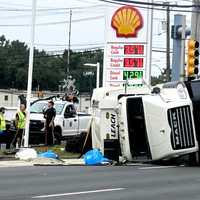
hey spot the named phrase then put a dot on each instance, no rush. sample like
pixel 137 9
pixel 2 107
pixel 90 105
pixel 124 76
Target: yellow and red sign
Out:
pixel 127 21
pixel 127 54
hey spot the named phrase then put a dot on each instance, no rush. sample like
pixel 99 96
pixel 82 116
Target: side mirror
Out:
pixel 156 90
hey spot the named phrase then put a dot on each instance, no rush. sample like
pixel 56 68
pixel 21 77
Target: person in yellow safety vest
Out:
pixel 5 136
pixel 20 122
pixel 2 121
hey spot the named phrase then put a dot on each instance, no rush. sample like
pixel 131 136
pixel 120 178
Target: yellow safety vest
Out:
pixel 2 123
pixel 21 121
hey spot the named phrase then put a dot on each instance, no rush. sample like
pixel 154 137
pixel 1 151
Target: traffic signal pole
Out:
pixel 179 34
pixel 195 21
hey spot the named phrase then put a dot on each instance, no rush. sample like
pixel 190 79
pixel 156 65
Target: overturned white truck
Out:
pixel 143 124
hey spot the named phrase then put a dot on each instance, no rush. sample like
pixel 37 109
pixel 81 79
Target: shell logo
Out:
pixel 127 21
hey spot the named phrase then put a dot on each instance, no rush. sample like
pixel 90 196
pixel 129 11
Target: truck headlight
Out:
pixel 181 91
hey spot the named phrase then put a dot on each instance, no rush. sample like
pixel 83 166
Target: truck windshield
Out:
pixel 39 107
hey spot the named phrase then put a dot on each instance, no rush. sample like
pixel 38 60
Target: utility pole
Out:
pixel 195 25
pixel 69 42
pixel 30 74
pixel 167 41
pixel 195 21
pixel 179 34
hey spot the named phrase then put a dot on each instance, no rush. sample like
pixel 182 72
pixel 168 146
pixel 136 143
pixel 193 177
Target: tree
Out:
pixel 48 70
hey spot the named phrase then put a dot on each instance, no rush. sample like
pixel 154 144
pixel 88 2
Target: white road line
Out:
pixel 157 167
pixel 77 193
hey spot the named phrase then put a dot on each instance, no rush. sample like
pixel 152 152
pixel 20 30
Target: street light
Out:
pixel 97 65
pixel 30 74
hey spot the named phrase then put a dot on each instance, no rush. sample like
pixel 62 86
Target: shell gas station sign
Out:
pixel 127 54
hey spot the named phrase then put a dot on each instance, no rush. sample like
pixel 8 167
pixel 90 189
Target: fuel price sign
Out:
pixel 126 61
pixel 127 51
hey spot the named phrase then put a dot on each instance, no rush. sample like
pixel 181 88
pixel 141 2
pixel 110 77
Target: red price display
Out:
pixel 133 62
pixel 134 49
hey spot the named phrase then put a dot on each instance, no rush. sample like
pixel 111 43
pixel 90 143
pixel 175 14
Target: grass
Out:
pixel 58 149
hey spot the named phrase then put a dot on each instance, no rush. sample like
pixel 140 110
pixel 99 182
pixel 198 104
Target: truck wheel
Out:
pixel 57 138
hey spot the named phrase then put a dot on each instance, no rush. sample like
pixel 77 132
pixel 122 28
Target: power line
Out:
pixel 53 13
pixel 113 2
pixel 53 23
pixel 145 4
pixel 150 8
pixel 18 4
pixel 50 9
pixel 154 4
pixel 96 44
pixel 85 1
pixel 58 53
pixel 63 45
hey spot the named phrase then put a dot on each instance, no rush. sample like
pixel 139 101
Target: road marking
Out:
pixel 157 167
pixel 77 193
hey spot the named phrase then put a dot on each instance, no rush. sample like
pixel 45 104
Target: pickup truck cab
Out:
pixel 68 122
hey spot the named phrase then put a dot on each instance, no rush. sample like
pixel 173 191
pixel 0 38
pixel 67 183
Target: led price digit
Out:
pixel 128 75
pixel 139 74
pixel 131 74
pixel 134 49
pixel 133 62
pixel 125 75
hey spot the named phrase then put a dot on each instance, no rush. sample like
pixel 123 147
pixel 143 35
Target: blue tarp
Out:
pixel 95 157
pixel 48 154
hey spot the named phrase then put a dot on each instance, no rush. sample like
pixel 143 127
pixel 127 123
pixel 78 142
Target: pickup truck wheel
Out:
pixel 57 138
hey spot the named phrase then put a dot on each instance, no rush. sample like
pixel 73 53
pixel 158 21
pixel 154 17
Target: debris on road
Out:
pixel 48 154
pixel 95 157
pixel 46 161
pixel 26 154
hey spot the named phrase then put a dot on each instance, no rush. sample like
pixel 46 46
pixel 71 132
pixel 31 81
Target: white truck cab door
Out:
pixel 70 121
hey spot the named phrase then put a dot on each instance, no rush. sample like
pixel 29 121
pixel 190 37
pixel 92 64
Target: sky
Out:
pixel 52 27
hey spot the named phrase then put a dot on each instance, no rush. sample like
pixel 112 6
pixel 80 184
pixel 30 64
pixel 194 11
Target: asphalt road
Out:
pixel 100 183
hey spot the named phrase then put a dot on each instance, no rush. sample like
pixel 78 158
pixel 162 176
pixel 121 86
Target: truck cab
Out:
pixel 193 88
pixel 144 124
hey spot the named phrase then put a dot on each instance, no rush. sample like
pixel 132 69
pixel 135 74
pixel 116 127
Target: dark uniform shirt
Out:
pixel 49 114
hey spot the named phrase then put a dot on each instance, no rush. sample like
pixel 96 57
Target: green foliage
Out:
pixel 48 71
pixel 160 79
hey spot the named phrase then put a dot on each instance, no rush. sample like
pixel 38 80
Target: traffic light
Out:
pixel 192 58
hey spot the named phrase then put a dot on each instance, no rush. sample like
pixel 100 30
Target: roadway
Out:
pixel 100 183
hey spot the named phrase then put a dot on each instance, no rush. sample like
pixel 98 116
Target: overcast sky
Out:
pixel 87 25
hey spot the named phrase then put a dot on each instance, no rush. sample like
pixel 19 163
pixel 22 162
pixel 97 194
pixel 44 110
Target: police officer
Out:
pixel 49 115
pixel 20 122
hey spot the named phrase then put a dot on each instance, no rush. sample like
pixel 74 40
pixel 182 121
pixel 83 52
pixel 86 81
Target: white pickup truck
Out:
pixel 69 124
